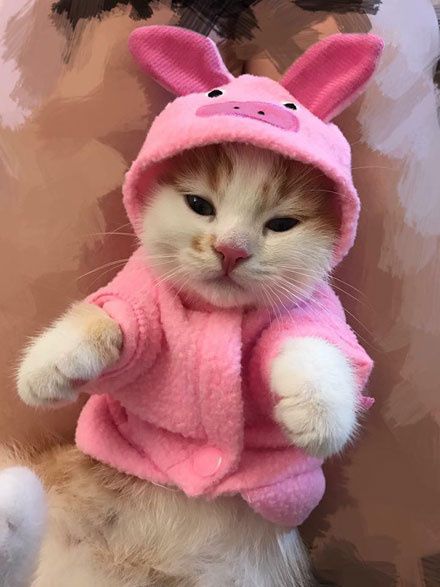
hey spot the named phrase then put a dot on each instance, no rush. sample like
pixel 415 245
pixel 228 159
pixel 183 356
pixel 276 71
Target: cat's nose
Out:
pixel 230 256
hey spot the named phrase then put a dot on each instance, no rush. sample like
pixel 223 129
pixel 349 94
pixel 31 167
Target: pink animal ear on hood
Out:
pixel 326 79
pixel 330 75
pixel 181 61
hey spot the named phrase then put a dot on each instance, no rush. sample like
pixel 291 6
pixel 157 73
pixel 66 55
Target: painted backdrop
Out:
pixel 73 112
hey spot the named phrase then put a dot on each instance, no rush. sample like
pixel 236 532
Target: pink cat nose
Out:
pixel 231 256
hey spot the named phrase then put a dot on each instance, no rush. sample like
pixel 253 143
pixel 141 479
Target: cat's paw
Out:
pixel 77 348
pixel 316 388
pixel 22 520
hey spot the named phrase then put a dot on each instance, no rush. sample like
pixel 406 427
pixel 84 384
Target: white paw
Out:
pixel 317 395
pixel 22 519
pixel 78 348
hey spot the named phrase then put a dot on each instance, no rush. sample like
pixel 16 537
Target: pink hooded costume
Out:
pixel 189 403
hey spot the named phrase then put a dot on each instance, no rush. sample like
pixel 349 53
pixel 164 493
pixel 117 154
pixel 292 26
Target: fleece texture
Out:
pixel 189 402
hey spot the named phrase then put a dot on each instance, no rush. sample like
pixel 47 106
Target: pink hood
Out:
pixel 253 110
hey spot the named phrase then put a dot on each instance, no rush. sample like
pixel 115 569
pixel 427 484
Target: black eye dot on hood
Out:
pixel 215 93
pixel 290 105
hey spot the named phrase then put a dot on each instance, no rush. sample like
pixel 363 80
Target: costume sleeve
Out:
pixel 321 317
pixel 130 299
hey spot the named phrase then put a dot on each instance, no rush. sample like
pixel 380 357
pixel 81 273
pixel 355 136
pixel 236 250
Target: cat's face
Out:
pixel 239 226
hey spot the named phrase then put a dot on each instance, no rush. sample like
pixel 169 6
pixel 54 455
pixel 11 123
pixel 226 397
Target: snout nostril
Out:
pixel 236 107
pixel 261 112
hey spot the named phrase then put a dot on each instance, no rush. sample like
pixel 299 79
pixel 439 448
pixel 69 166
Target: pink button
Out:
pixel 207 461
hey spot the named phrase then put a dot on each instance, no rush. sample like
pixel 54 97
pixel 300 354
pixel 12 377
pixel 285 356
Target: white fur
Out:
pixel 78 347
pixel 282 266
pixel 317 391
pixel 192 541
pixel 282 562
pixel 245 560
pixel 22 520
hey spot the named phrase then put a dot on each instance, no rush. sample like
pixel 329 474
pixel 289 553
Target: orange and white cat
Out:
pixel 107 529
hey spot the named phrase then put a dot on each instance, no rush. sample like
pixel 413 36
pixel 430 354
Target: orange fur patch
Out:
pixel 197 243
pixel 202 242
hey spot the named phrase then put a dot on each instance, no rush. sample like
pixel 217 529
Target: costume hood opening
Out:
pixel 292 117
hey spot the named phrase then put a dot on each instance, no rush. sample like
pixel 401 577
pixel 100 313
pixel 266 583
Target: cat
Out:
pixel 110 529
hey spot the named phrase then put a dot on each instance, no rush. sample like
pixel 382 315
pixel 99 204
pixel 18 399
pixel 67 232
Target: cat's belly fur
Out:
pixel 107 529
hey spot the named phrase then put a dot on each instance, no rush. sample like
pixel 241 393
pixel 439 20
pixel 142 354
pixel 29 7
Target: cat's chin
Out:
pixel 228 294
pixel 221 293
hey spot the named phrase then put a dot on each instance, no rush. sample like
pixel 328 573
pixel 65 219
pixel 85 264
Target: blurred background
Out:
pixel 73 113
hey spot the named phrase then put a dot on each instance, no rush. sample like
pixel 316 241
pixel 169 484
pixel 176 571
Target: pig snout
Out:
pixel 273 114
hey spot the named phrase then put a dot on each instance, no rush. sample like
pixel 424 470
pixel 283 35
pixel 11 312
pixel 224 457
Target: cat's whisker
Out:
pixel 330 276
pixel 334 278
pixel 355 330
pixel 152 258
pixel 160 267
pixel 291 296
pixel 110 264
pixel 288 289
pixel 114 233
pixel 127 224
pixel 314 301
pixel 161 262
pixel 162 256
pixel 170 274
pixel 335 286
pixel 115 268
pixel 265 296
pixel 286 284
pixel 275 307
pixel 182 286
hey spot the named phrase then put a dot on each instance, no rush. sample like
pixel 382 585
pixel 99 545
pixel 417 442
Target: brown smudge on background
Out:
pixel 76 10
pixel 339 564
pixel 297 29
pixel 230 20
pixel 431 570
pixel 437 69
pixel 341 6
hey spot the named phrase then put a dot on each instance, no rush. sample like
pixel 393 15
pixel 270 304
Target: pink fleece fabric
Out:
pixel 189 403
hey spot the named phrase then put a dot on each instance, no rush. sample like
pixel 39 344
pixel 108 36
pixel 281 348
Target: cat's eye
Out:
pixel 281 224
pixel 215 93
pixel 200 205
pixel 290 105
